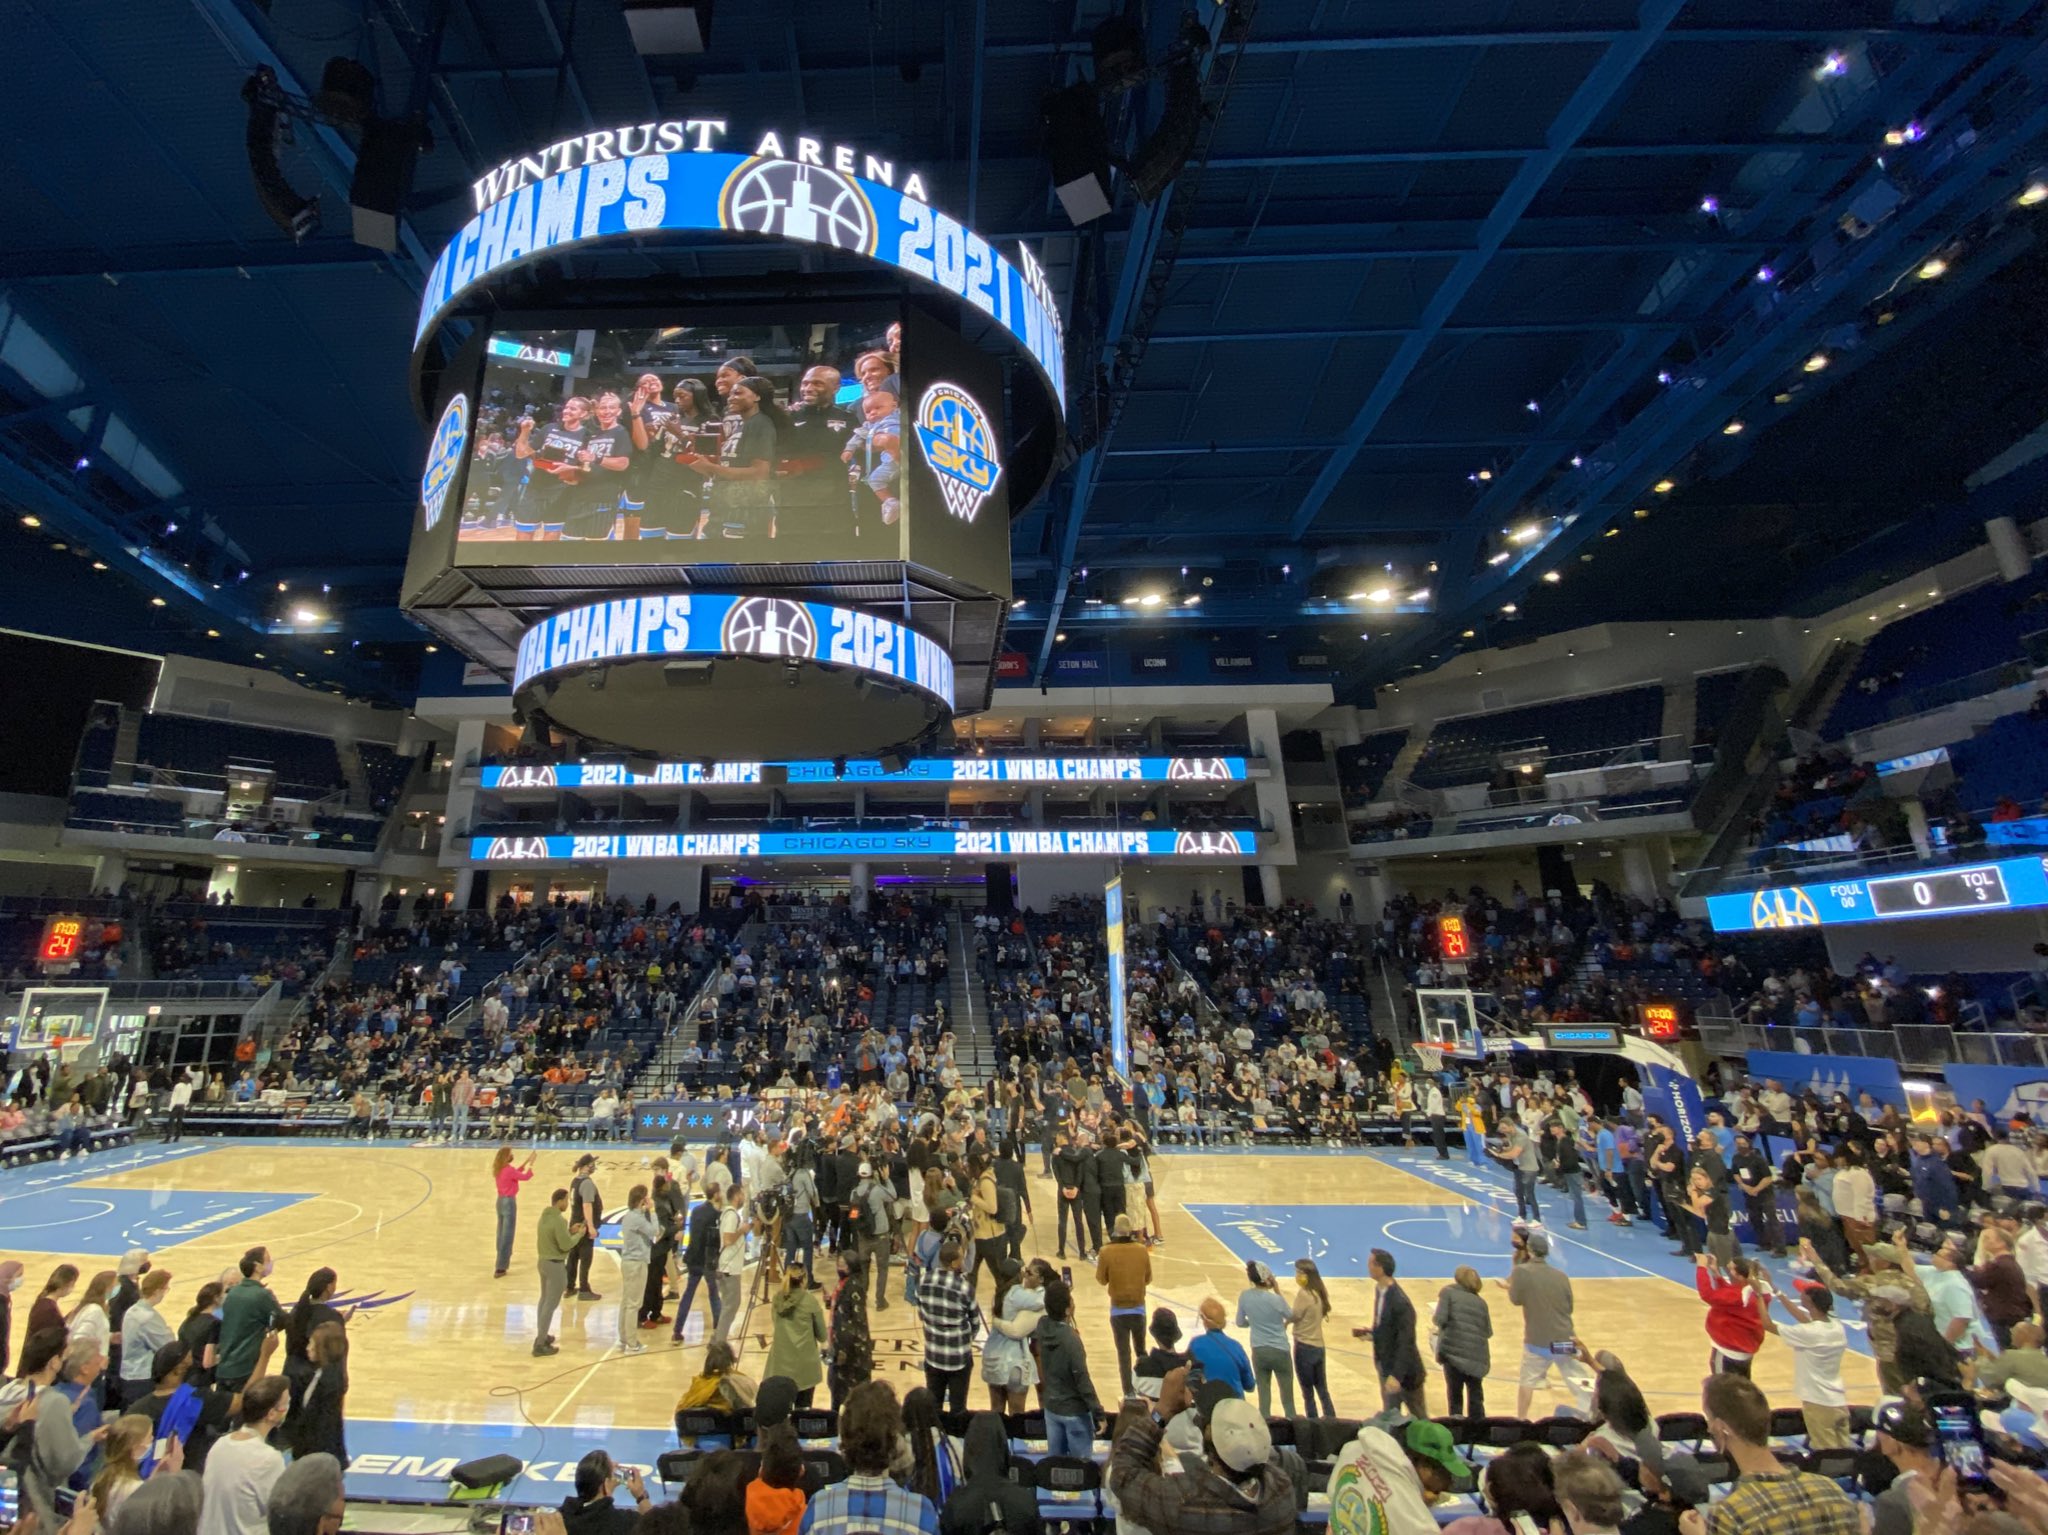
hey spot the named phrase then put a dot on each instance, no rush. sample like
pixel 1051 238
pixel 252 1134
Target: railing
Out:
pixel 1915 1044
pixel 2003 1049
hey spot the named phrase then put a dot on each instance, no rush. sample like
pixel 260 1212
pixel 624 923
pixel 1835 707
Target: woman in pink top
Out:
pixel 508 1178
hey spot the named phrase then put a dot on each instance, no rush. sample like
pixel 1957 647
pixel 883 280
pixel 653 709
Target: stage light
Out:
pixel 2036 192
pixel 1532 407
pixel 1421 596
pixel 1016 604
pixel 1664 375
pixel 99 564
pixel 1710 205
pixel 1468 634
pixel 1766 273
pixel 431 649
pixel 1507 607
pixel 1732 429
pixel 304 615
pixel 1526 533
pixel 1553 577
pixel 1932 268
pixel 1378 594
pixel 1830 67
pixel 1612 533
pixel 1150 600
pixel 1665 487
pixel 1577 460
pixel 1642 514
pixel 1193 599
pixel 1815 363
pixel 1499 559
pixel 31 520
pixel 158 602
pixel 213 634
pixel 81 464
pixel 1060 638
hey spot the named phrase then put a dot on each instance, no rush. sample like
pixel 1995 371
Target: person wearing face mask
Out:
pixel 249 1312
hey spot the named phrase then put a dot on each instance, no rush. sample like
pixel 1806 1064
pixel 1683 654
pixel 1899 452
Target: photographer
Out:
pixel 871 1230
pixel 800 1222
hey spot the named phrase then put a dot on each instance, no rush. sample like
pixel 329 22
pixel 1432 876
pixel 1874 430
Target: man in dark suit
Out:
pixel 1070 1169
pixel 1395 1358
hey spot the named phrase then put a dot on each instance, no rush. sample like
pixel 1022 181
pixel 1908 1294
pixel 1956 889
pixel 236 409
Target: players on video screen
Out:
pixel 731 451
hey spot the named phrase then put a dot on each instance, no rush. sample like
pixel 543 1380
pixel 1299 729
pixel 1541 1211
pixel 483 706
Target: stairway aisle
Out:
pixel 974 1045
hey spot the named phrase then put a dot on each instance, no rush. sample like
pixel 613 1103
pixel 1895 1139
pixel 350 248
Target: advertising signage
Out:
pixel 2006 884
pixel 938 843
pixel 645 179
pixel 1024 770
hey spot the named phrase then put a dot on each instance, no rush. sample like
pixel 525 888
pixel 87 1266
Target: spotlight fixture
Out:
pixel 1766 273
pixel 81 464
pixel 1508 608
pixel 1732 429
pixel 31 520
pixel 1833 66
pixel 1931 268
pixel 158 602
pixel 1710 205
pixel 2035 193
pixel 1815 363
pixel 1665 487
pixel 1553 577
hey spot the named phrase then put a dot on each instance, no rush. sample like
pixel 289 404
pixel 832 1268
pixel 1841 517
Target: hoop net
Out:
pixel 70 1047
pixel 1430 1055
pixel 961 497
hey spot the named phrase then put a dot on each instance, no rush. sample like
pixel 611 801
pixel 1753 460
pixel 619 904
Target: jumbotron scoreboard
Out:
pixel 725 444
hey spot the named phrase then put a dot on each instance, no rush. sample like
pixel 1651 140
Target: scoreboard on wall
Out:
pixel 776 501
pixel 63 941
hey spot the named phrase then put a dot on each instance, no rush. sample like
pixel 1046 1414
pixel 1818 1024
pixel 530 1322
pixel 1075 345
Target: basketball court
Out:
pixel 441 1368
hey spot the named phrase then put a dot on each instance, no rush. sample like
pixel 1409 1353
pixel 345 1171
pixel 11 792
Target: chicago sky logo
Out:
pixel 1791 907
pixel 444 457
pixel 527 776
pixel 960 446
pixel 1210 843
pixel 507 849
pixel 1196 769
pixel 798 202
pixel 768 626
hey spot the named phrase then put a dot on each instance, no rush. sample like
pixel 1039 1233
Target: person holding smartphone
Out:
pixel 593 1509
pixel 1544 1296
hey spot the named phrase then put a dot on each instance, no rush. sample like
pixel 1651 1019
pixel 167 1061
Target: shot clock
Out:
pixel 63 940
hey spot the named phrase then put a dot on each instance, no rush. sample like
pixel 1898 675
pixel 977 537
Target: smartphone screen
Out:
pixel 517 1521
pixel 1961 1440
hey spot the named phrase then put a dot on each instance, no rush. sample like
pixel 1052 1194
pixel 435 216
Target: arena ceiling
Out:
pixel 1445 291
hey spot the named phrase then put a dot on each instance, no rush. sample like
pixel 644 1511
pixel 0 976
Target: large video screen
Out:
pixel 716 443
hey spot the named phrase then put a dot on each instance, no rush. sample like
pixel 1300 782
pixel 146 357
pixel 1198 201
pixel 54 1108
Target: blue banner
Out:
pixel 866 844
pixel 2005 1090
pixel 1113 930
pixel 761 194
pixel 1029 770
pixel 687 624
pixel 1829 1074
pixel 2028 831
pixel 1674 1098
pixel 2006 884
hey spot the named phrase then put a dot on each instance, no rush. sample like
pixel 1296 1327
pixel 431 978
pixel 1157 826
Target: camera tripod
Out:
pixel 767 1272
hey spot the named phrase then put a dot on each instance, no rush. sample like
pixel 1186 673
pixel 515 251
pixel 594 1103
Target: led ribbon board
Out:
pixel 684 626
pixel 1023 770
pixel 760 194
pixel 867 844
pixel 2008 884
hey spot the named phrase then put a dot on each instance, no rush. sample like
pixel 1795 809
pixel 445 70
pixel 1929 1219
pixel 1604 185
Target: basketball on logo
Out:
pixel 1782 908
pixel 960 447
pixel 798 202
pixel 1196 769
pixel 768 626
pixel 1198 844
pixel 444 457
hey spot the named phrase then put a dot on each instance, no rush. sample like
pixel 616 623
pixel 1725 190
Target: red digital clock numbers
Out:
pixel 1660 1020
pixel 63 937
pixel 1452 940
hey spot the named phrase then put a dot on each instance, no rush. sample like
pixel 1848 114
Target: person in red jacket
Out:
pixel 1735 1313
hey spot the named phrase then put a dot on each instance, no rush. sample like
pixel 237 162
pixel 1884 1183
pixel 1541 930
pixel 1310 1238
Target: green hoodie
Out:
pixel 794 1350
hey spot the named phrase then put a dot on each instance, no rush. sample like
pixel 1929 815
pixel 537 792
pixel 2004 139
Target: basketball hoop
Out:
pixel 1429 1055
pixel 70 1047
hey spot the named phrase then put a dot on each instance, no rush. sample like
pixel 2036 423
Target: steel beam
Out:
pixel 1596 92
